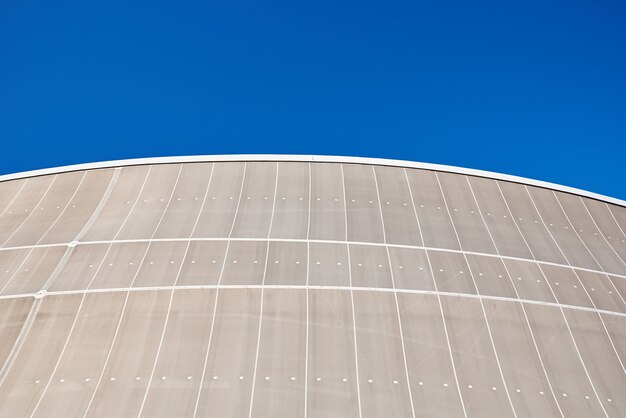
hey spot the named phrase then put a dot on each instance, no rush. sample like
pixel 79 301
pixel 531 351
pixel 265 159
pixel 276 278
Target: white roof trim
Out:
pixel 311 158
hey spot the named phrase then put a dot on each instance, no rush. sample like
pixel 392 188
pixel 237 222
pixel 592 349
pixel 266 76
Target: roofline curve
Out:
pixel 311 158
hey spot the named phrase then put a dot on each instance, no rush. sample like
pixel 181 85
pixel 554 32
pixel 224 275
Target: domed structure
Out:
pixel 305 286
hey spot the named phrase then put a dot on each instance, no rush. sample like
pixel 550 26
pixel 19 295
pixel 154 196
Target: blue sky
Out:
pixel 530 88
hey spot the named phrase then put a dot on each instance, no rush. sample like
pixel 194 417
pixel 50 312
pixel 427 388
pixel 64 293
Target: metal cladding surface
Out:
pixel 299 288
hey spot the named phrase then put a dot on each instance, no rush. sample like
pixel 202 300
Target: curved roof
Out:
pixel 313 158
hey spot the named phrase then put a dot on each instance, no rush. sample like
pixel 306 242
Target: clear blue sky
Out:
pixel 531 88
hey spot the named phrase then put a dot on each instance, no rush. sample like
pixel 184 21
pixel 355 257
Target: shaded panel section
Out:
pixel 291 213
pixel 161 264
pixel 566 286
pixel 245 263
pixel 363 212
pixel 120 266
pixel 257 199
pixel 35 271
pixel 287 263
pixel 601 291
pixel 529 281
pixel 328 265
pixel 410 269
pixel 370 266
pixel 451 272
pixel 81 267
pixel 203 263
pixel 13 313
pixel 328 216
pixel 491 276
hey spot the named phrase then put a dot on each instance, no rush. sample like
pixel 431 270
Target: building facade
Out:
pixel 298 286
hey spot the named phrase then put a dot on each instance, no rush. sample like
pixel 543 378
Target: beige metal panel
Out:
pixel 380 354
pixel 231 355
pixel 120 266
pixel 410 269
pixel 490 276
pixel 254 216
pixel 566 286
pixel 529 222
pixel 162 264
pixel 616 327
pixel 398 215
pixel 76 376
pixel 203 263
pixel 619 213
pixel 132 355
pixel 601 291
pixel 436 226
pixel 80 208
pixel 607 224
pixel 529 281
pixel 218 213
pixel 9 192
pixel 328 265
pixel 559 226
pixel 287 263
pixel 603 365
pixel 280 373
pixel 328 215
pixel 589 234
pixel 13 313
pixel 331 356
pixel 47 211
pixel 370 266
pixel 451 272
pixel 428 357
pixel 563 365
pixel 291 213
pixel 21 209
pixel 620 285
pixel 362 210
pixel 35 271
pixel 245 263
pixel 35 362
pixel 465 215
pixel 521 365
pixel 10 262
pixel 187 200
pixel 498 218
pixel 80 268
pixel 119 204
pixel 182 355
pixel 153 200
pixel 476 364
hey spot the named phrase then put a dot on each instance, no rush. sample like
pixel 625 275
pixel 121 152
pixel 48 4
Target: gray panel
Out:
pixel 13 313
pixel 332 388
pixel 119 204
pixel 370 266
pixel 35 271
pixel 231 355
pixel 162 264
pixel 120 266
pixel 218 212
pixel 410 269
pixel 257 200
pixel 80 268
pixel 132 355
pixel 465 215
pixel 619 213
pixel 585 228
pixel 537 237
pixel 182 355
pixel 182 213
pixel 380 356
pixel 616 326
pixel 10 262
pixel 9 192
pixel 328 215
pixel 27 377
pixel 287 263
pixel 245 263
pixel 605 221
pixel 529 281
pixel 566 286
pixel 203 263
pixel 560 228
pixel 476 365
pixel 428 357
pixel 363 212
pixel 451 272
pixel 72 385
pixel 601 291
pixel 498 218
pixel 279 387
pixel 21 209
pixel 291 213
pixel 398 214
pixel 328 265
pixel 490 276
pixel 521 365
pixel 436 226
pixel 153 200
pixel 47 211
pixel 562 363
pixel 606 372
pixel 620 285
pixel 80 208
